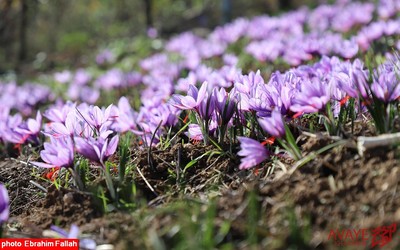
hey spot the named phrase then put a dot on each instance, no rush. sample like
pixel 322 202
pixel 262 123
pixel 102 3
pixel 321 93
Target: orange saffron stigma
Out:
pixel 186 119
pixel 297 114
pixel 115 169
pixel 269 141
pixel 194 141
pixel 366 103
pixel 256 171
pixel 52 174
pixel 344 100
pixel 18 145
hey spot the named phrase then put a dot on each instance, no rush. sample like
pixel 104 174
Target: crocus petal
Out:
pixel 4 204
pixel 253 152
pixel 73 232
pixel 43 165
pixel 86 149
pixel 112 146
pixel 202 93
pixel 188 102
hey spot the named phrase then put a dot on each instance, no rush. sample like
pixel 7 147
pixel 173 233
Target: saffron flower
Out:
pixel 273 125
pixel 59 152
pixel 253 152
pixel 68 128
pixel 18 132
pixel 97 149
pixel 59 112
pixel 224 104
pixel 386 87
pixel 193 99
pixel 56 232
pixel 63 77
pixel 105 57
pixel 194 132
pixel 4 204
pixel 32 126
pixel 352 79
pixel 207 107
pixel 127 117
pixel 97 117
pixel 313 97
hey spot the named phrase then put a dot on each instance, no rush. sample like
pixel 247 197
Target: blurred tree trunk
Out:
pixel 285 4
pixel 22 31
pixel 58 8
pixel 148 6
pixel 226 11
pixel 4 11
pixel 6 35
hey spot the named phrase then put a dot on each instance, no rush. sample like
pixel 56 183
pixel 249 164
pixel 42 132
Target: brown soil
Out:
pixel 337 190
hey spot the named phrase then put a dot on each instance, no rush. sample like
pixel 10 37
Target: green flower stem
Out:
pixel 77 179
pixel 109 182
pixel 289 144
pixel 293 150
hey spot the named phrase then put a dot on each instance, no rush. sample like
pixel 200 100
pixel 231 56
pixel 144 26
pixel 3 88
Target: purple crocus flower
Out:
pixel 207 107
pixel 194 132
pixel 347 49
pixel 29 95
pixel 59 112
pixel 97 117
pixel 114 78
pixel 4 204
pixel 386 87
pixel 97 149
pixel 164 113
pixel 104 57
pixel 89 94
pixel 313 96
pixel 230 59
pixel 262 100
pixel 352 79
pixel 31 127
pixel 8 133
pixel 387 8
pixel 274 124
pixel 358 86
pixel 245 83
pixel 253 152
pixel 18 132
pixel 133 78
pixel 192 100
pixel 127 117
pixel 82 77
pixel 184 83
pixel 68 128
pixel 152 32
pixel 59 152
pixel 63 77
pixel 56 232
pixel 224 104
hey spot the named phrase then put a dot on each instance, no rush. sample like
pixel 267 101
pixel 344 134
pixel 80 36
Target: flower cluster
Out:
pixel 4 204
pixel 84 128
pixel 17 131
pixel 178 78
pixel 24 99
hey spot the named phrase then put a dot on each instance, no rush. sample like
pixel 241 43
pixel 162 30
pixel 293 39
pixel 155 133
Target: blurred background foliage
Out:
pixel 49 34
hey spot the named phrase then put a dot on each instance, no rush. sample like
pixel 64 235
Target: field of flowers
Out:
pixel 274 132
